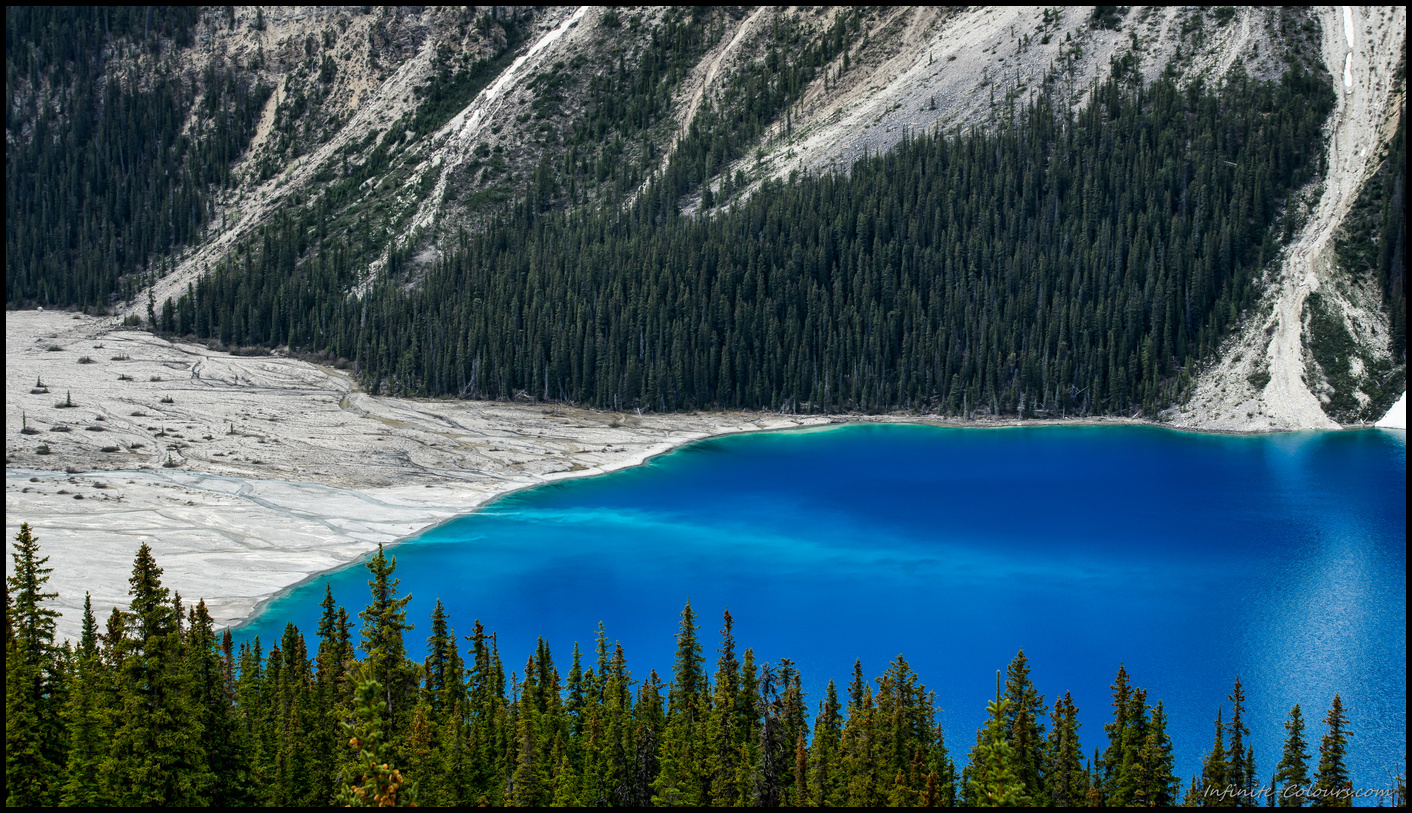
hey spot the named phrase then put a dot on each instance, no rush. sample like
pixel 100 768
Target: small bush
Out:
pixel 43 449
pixel 85 360
pixel 94 429
pixel 53 348
pixel 155 378
pixel 29 430
pixel 167 399
pixel 59 429
pixel 123 377
pixel 109 450
pixel 139 414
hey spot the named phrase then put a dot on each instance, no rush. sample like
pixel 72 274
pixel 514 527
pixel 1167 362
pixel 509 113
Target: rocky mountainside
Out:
pixel 405 128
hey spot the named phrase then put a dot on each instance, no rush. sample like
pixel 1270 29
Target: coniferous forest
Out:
pixel 105 182
pixel 154 707
pixel 1060 260
pixel 1064 264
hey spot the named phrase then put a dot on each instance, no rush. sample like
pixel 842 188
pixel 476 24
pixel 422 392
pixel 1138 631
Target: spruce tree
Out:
pixel 1066 778
pixel 1291 781
pixel 157 754
pixel 87 719
pixel 376 781
pixel 1024 728
pixel 994 780
pixel 33 758
pixel 384 621
pixel 1107 769
pixel 723 735
pixel 1157 754
pixel 205 679
pixel 1216 771
pixel 823 750
pixel 332 695
pixel 1332 786
pixel 1242 768
pixel 860 752
pixel 682 772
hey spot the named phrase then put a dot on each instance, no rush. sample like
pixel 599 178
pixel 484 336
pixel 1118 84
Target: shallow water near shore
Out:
pixel 1188 558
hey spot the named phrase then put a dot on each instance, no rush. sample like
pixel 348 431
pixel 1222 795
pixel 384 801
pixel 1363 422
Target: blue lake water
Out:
pixel 1189 558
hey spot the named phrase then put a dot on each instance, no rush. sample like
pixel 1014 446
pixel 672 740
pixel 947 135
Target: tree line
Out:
pixel 1058 264
pixel 156 708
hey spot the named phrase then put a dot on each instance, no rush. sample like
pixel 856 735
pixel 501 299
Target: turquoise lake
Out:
pixel 1188 558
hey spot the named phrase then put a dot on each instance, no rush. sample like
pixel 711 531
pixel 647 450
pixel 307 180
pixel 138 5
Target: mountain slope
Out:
pixel 397 129
pixel 1272 344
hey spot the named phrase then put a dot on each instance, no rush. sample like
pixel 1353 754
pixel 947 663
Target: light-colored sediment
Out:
pixel 1365 45
pixel 281 469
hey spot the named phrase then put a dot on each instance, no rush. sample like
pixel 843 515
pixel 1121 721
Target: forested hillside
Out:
pixel 1058 265
pixel 1057 212
pixel 156 709
pixel 102 176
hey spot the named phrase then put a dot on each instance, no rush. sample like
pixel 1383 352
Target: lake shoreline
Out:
pixel 249 475
pixel 770 540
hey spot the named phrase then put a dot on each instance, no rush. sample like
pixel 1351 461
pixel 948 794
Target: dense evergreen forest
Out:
pixel 1058 261
pixel 1058 264
pixel 102 178
pixel 156 708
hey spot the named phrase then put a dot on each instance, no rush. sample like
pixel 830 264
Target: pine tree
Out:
pixel 1291 782
pixel 1332 786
